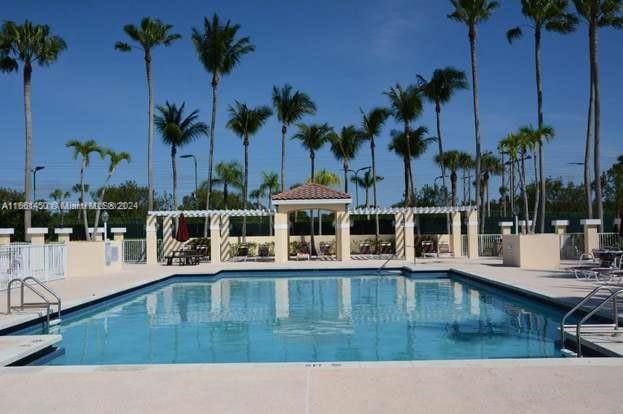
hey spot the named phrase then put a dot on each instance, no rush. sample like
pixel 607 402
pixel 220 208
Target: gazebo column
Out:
pixel 281 237
pixel 342 220
pixel 409 225
pixel 472 234
pixel 168 238
pixel 457 247
pixel 399 235
pixel 225 251
pixel 591 234
pixel 215 239
pixel 151 240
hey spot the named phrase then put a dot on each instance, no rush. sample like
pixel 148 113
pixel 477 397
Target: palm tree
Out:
pixel 219 51
pixel 439 90
pixel 177 130
pixel 416 145
pixel 59 196
pixel 366 182
pixel 269 186
pixel 466 163
pixel 344 147
pixel 472 13
pixel 84 149
pixel 548 15
pixel 326 178
pixel 451 160
pixel 228 174
pixel 114 159
pixel 149 34
pixel 371 125
pixel 597 14
pixel 313 137
pixel 28 44
pixel 290 106
pixel 516 147
pixel 491 165
pixel 245 122
pixel 406 107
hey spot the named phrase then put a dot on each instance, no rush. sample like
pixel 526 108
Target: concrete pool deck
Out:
pixel 509 386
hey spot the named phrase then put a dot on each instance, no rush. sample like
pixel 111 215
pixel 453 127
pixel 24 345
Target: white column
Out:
pixel 151 240
pixel 63 234
pixel 215 239
pixel 591 234
pixel 560 226
pixel 456 242
pixel 342 220
pixel 409 225
pixel 169 244
pixel 506 227
pixel 5 235
pixel 118 233
pixel 281 237
pixel 37 234
pixel 472 234
pixel 225 250
pixel 99 230
pixel 399 235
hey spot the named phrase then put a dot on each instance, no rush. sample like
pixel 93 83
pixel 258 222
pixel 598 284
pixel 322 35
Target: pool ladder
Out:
pixel 613 294
pixel 46 301
pixel 381 269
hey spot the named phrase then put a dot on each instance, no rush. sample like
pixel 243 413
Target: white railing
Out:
pixel 571 246
pixel 610 240
pixel 45 262
pixel 135 250
pixel 489 245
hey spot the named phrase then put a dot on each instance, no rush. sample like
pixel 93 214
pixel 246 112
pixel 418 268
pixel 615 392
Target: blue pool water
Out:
pixel 309 316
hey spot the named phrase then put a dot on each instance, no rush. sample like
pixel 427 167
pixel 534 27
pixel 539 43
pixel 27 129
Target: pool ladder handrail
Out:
pixel 47 302
pixel 392 257
pixel 615 291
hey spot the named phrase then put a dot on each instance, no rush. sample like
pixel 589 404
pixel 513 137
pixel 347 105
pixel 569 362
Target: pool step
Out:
pixel 54 322
pixel 567 353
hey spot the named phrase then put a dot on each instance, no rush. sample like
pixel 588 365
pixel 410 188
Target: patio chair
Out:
pixel 303 251
pixel 324 249
pixel 443 248
pixel 364 248
pixel 263 251
pixel 242 252
pixel 428 249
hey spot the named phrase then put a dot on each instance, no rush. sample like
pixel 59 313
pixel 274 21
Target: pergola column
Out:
pixel 281 237
pixel 399 235
pixel 215 239
pixel 472 234
pixel 225 251
pixel 591 234
pixel 506 227
pixel 409 226
pixel 5 235
pixel 169 243
pixel 560 226
pixel 456 239
pixel 63 234
pixel 342 231
pixel 151 240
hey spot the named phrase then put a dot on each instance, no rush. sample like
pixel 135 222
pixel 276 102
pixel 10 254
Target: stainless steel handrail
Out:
pixel 613 297
pixel 392 257
pixel 47 305
pixel 47 289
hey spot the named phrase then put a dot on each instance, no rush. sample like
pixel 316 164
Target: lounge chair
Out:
pixel 303 251
pixel 428 249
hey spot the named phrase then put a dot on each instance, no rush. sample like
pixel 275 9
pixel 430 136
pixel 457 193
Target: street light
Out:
pixel 34 181
pixel 195 161
pixel 105 220
pixel 356 173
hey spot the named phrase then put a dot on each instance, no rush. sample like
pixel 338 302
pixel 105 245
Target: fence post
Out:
pixel 37 235
pixel 5 235
pixel 591 234
pixel 506 227
pixel 525 228
pixel 118 233
pixel 63 234
pixel 560 226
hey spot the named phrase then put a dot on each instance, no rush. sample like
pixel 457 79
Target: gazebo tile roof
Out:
pixel 311 191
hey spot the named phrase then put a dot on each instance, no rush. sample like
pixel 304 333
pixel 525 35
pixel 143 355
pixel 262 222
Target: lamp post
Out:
pixel 34 181
pixel 105 220
pixel 195 161
pixel 356 174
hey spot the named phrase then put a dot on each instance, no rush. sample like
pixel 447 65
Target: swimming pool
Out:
pixel 307 316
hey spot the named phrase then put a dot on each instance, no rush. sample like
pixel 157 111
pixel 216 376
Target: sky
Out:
pixel 344 54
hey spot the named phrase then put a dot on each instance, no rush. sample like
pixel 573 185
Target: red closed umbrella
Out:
pixel 182 229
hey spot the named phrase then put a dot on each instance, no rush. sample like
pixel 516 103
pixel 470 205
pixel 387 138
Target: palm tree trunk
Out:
pixel 174 168
pixel 225 194
pixel 524 192
pixel 472 46
pixel 82 201
pixel 346 177
pixel 539 94
pixel 374 194
pixel 313 252
pixel 245 187
pixel 453 178
pixel 284 130
pixel 100 201
pixel 28 146
pixel 411 186
pixel 406 168
pixel 536 195
pixel 587 154
pixel 594 51
pixel 312 157
pixel 150 121
pixel 211 155
pixel 440 145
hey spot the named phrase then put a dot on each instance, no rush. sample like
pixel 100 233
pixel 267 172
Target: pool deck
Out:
pixel 509 386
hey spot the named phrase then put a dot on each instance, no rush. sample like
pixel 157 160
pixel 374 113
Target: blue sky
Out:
pixel 343 54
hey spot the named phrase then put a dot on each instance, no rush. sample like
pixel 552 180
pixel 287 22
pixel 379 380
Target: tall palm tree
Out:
pixel 451 160
pixel 290 106
pixel 597 14
pixel 467 163
pixel 270 186
pixel 229 175
pixel 515 146
pixel 246 122
pixel 312 138
pixel 84 149
pixel 439 90
pixel 491 165
pixel 59 196
pixel 406 107
pixel 550 15
pixel 219 50
pixel 472 13
pixel 344 147
pixel 416 146
pixel 114 159
pixel 28 44
pixel 366 182
pixel 371 124
pixel 176 131
pixel 149 34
